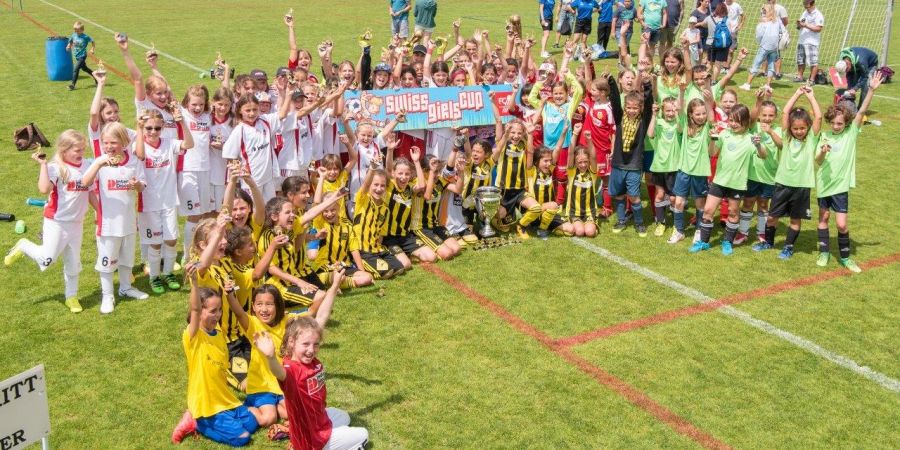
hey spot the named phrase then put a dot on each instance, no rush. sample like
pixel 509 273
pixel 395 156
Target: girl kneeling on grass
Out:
pixel 581 201
pixel 301 377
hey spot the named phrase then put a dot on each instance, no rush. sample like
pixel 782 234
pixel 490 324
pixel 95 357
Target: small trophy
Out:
pixel 101 69
pixel 121 37
pixel 440 44
pixel 114 160
pixel 365 39
pixel 152 52
pixel 487 204
pixel 290 15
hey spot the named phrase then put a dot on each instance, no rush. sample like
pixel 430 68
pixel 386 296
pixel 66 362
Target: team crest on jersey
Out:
pixel 731 146
pixel 403 201
pixel 668 135
pixel 513 152
pixel 317 382
pixel 835 148
pixel 76 186
pixel 584 184
pixel 544 181
pixel 117 185
pixel 199 126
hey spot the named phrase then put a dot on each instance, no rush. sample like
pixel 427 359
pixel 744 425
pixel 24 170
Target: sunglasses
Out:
pixel 152 128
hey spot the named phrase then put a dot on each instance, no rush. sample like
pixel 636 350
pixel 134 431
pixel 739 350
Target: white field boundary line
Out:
pixel 130 39
pixel 883 380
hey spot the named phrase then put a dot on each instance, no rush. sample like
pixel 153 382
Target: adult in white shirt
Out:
pixel 735 24
pixel 810 25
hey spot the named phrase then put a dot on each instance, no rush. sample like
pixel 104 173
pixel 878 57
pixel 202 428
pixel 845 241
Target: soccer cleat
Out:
pixel 543 234
pixel 186 426
pixel 157 286
pixel 74 305
pixel 727 249
pixel 619 226
pixel 676 237
pixel 171 282
pixel 14 253
pixel 107 304
pixel 745 87
pixel 850 265
pixel 660 230
pixel 786 253
pixel 699 246
pixel 760 246
pixel 521 233
pixel 740 238
pixel 134 293
pixel 823 258
pixel 641 230
pixel 696 236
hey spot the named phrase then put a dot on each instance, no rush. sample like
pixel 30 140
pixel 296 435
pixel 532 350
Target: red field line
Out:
pixel 630 393
pixel 51 32
pixel 668 316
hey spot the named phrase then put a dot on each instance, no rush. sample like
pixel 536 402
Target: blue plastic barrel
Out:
pixel 59 60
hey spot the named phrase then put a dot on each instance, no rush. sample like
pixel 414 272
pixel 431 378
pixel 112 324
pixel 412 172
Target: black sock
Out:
pixel 770 235
pixel 730 230
pixel 706 227
pixel 659 212
pixel 791 237
pixel 844 244
pixel 823 240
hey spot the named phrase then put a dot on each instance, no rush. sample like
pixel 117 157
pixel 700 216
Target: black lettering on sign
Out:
pixel 8 442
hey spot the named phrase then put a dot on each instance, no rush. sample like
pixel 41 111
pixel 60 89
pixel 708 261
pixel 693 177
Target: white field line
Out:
pixel 130 39
pixel 809 346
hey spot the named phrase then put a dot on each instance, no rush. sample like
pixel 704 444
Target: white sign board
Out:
pixel 24 415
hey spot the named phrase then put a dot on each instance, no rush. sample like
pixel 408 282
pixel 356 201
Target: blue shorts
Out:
pixel 262 399
pixel 648 160
pixel 625 182
pixel 757 189
pixel 691 185
pixel 227 427
pixel 839 203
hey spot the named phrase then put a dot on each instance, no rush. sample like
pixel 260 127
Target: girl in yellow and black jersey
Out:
pixel 427 205
pixel 401 190
pixel 541 187
pixel 581 201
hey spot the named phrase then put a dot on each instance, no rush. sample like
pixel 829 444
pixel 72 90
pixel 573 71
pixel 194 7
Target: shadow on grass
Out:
pixel 352 377
pixel 357 416
pixel 87 301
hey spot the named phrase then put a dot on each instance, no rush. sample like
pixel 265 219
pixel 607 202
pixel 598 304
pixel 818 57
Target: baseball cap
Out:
pixel 282 71
pixel 382 67
pixel 693 19
pixel 258 74
pixel 419 48
pixel 263 97
pixel 297 95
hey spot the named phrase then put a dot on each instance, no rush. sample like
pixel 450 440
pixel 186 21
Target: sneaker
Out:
pixel 14 253
pixel 699 246
pixel 71 87
pixel 798 79
pixel 521 233
pixel 543 234
pixel 171 282
pixel 641 230
pixel 727 249
pixel 696 236
pixel 740 238
pixel 157 286
pixel 134 293
pixel 850 265
pixel 619 226
pixel 823 258
pixel 107 304
pixel 745 87
pixel 778 76
pixel 760 246
pixel 786 253
pixel 676 237
pixel 186 426
pixel 760 237
pixel 660 230
pixel 545 54
pixel 74 305
pixel 556 45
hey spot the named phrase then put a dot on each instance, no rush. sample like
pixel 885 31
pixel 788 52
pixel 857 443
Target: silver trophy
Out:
pixel 487 203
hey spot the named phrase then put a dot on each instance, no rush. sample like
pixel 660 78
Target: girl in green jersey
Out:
pixel 761 181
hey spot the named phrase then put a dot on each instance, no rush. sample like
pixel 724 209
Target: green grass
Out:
pixel 425 366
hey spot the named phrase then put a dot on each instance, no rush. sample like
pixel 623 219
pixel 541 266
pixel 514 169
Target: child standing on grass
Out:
pixel 117 172
pixel 796 175
pixel 665 133
pixel 836 157
pixel 219 130
pixel 694 169
pixel 63 214
pixel 79 43
pixel 302 378
pixel 761 180
pixel 581 201
pixel 194 195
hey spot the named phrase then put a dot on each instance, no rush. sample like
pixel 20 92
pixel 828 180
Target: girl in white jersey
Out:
pixel 252 142
pixel 103 110
pixel 368 147
pixel 116 172
pixel 299 129
pixel 157 221
pixel 194 192
pixel 221 124
pixel 63 215
pixel 152 94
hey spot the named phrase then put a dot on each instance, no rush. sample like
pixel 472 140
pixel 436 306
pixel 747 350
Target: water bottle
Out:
pixel 6 217
pixel 35 202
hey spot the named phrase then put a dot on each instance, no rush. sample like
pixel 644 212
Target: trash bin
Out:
pixel 59 60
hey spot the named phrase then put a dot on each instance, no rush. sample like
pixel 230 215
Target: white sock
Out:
pixel 71 282
pixel 106 283
pixel 761 217
pixel 169 253
pixel 189 228
pixel 125 277
pixel 154 256
pixel 144 252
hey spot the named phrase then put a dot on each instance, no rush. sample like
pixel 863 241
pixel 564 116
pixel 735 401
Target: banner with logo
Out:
pixel 429 108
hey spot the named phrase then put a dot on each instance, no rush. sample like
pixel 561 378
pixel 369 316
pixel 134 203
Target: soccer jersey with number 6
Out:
pixel 116 212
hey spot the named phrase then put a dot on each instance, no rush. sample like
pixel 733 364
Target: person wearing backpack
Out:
pixel 718 38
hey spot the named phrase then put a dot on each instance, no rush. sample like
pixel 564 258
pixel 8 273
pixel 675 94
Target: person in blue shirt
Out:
pixel 604 23
pixel 78 43
pixel 399 10
pixel 545 13
pixel 584 10
pixel 858 64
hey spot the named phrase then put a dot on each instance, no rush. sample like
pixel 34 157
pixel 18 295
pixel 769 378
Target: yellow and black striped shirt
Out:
pixel 477 176
pixel 287 258
pixel 511 167
pixel 341 181
pixel 242 274
pixel 340 241
pixel 400 206
pixel 369 222
pixel 215 278
pixel 581 199
pixel 540 186
pixel 427 213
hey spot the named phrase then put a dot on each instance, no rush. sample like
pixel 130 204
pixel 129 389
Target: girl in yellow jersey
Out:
pixel 370 222
pixel 581 201
pixel 426 223
pixel 213 409
pixel 541 186
pixel 476 174
pixel 265 400
pixel 246 210
pixel 339 248
pixel 401 190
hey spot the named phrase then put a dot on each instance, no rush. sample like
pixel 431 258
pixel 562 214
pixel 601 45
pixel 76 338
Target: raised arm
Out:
pixel 576 134
pixel 651 127
pixel 196 308
pixel 324 311
pixel 735 65
pixel 786 112
pixel 312 213
pixel 264 344
pixel 236 308
pixel 188 142
pixel 98 98
pixel 293 52
pixel 416 154
pixel 137 78
pixel 817 111
pixel 874 84
pixel 262 266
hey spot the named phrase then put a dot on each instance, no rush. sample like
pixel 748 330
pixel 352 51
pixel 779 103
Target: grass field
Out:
pixel 652 348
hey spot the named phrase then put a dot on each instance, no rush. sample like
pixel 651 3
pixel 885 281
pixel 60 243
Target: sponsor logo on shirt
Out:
pixel 117 185
pixel 76 186
pixel 158 163
pixel 317 382
pixel 399 199
pixel 198 126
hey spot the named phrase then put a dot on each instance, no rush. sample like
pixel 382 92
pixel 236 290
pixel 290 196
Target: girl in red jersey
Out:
pixel 302 379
